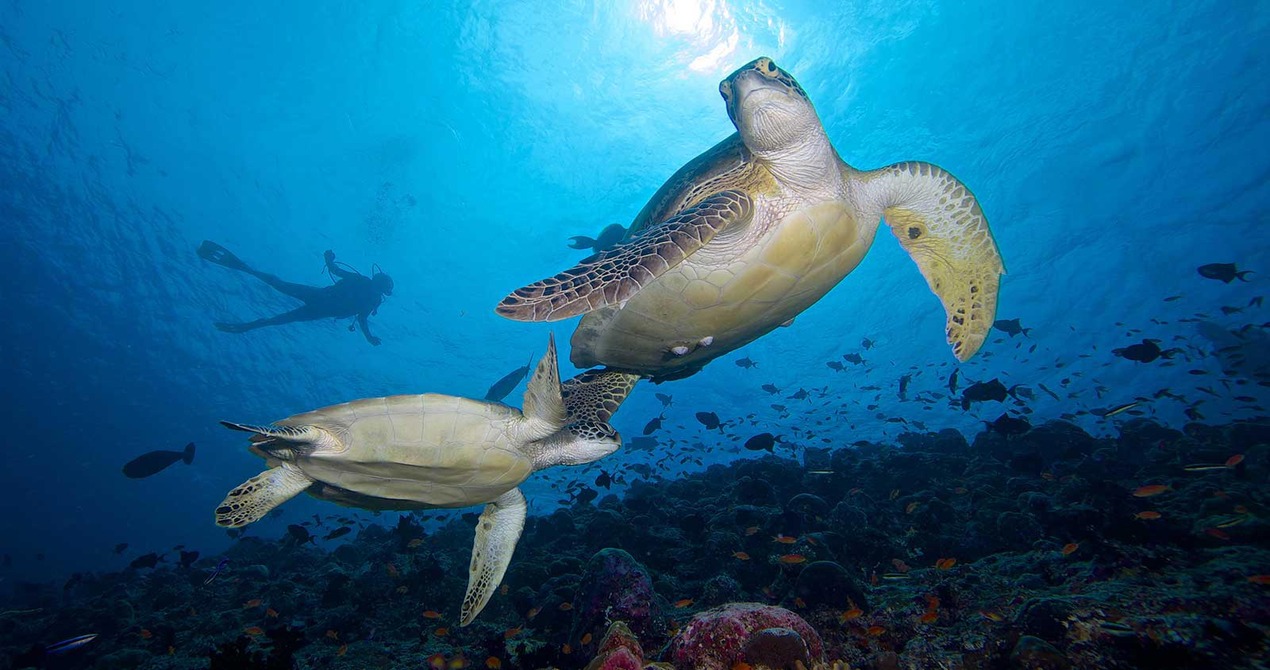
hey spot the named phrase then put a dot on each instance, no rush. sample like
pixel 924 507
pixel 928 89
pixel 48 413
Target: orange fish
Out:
pixel 503 590
pixel 271 613
pixel 784 539
pixel 680 604
pixel 493 663
pixel 908 509
pixel 792 559
pixel 740 555
pixel 342 650
pixel 145 634
pixel 586 639
pixel 875 630
pixel 415 543
pixel 1047 476
pixel 457 663
pixel 1259 579
pixel 431 614
pixel 1149 515
pixel 392 570
pixel 751 530
pixel 945 563
pixel 566 606
pixel 441 632
pixel 1239 509
pixel 566 649
pixel 171 650
pixel 254 602
pixel 254 630
pixel 1234 460
pixel 900 566
pixel 928 617
pixel 800 603
pixel 853 613
pixel 332 633
pixel 1151 490
pixel 991 616
pixel 855 491
pixel 533 612
pixel 1217 533
pixel 436 662
pixel 512 632
pixel 961 490
pixel 742 665
pixel 1070 547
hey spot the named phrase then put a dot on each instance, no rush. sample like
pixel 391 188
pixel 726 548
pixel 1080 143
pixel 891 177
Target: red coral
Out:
pixel 716 638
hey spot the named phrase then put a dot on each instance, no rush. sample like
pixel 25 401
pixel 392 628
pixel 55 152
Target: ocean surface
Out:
pixel 1114 147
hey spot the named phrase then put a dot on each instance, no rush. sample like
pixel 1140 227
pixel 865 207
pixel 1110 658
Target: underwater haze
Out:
pixel 1115 149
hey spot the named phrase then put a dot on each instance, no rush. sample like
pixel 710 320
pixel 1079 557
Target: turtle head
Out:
pixel 768 107
pixel 580 442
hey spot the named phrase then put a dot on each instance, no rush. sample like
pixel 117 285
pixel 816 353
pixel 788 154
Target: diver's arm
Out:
pixel 335 269
pixel 361 321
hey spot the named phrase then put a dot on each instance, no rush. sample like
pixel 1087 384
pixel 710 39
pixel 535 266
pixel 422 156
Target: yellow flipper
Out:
pixel 938 222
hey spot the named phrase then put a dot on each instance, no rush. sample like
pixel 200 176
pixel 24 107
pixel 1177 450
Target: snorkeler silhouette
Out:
pixel 352 294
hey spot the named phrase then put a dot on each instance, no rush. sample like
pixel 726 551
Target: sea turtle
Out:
pixel 755 230
pixel 410 452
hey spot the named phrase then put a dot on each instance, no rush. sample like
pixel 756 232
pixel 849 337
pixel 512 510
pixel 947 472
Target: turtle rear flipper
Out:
pixel 254 498
pixel 612 277
pixel 497 532
pixel 938 222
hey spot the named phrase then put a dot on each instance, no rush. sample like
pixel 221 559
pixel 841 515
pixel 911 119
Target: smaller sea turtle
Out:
pixel 410 452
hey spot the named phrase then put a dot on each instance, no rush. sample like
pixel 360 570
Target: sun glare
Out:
pixel 705 30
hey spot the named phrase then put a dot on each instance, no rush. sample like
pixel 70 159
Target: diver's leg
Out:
pixel 303 313
pixel 297 291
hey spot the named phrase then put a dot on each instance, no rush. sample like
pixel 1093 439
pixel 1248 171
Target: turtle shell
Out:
pixel 420 451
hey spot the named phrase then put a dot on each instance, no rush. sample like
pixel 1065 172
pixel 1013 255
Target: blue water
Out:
pixel 1114 147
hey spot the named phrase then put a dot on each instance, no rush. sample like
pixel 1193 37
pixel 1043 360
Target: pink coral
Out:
pixel 716 638
pixel 618 651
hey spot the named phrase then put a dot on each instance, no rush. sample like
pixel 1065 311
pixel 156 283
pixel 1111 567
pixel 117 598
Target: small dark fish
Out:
pixel 800 394
pixel 120 548
pixel 771 388
pixel 983 392
pixel 1119 409
pixel 1225 272
pixel 653 426
pixel 608 238
pixel 866 343
pixel 584 495
pixel 300 534
pixel 746 363
pixel 157 461
pixel 1011 327
pixel 507 384
pixel 70 644
pixel 148 561
pixel 642 443
pixel 952 381
pixel 854 359
pixel 1008 425
pixel 709 419
pixel 605 480
pixel 338 532
pixel 904 381
pixel 665 399
pixel 1145 352
pixel 835 366
pixel 220 567
pixel 780 408
pixel 761 442
pixel 188 558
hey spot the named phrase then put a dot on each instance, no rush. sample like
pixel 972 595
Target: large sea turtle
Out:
pixel 756 229
pixel 422 451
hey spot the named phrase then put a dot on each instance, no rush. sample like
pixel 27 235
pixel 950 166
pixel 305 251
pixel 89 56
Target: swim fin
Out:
pixel 215 253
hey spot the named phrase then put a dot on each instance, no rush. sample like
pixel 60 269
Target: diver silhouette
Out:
pixel 352 294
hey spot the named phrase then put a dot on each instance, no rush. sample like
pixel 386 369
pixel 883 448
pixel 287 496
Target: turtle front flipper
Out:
pixel 497 532
pixel 252 500
pixel 938 222
pixel 612 277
